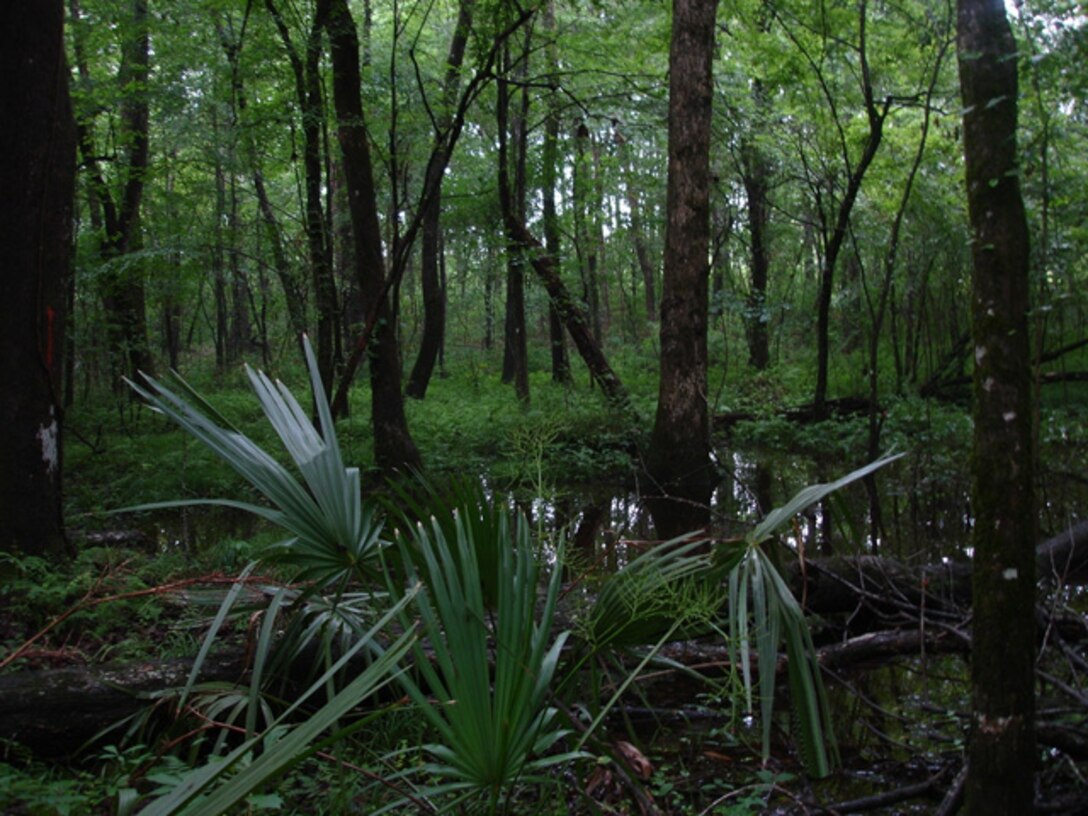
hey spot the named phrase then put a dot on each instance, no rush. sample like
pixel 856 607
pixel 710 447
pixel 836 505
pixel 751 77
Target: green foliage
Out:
pixel 43 792
pixel 460 501
pixel 265 756
pixel 669 588
pixel 763 612
pixel 485 693
pixel 334 537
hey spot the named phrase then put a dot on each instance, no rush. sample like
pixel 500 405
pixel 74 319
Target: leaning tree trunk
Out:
pixel 394 448
pixel 37 175
pixel 1002 745
pixel 573 316
pixel 833 243
pixel 678 462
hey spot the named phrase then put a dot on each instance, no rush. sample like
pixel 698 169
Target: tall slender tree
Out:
pixel 1001 757
pixel 37 172
pixel 513 145
pixel 434 294
pixel 678 461
pixel 393 445
pixel 549 181
pixel 294 294
pixel 122 285
pixel 308 96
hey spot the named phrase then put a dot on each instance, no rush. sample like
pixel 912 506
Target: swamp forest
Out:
pixel 544 406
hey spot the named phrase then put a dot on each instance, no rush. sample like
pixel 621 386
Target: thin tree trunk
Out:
pixel 293 292
pixel 402 249
pixel 560 360
pixel 646 265
pixel 1002 753
pixel 171 301
pixel 311 107
pixel 584 231
pixel 219 272
pixel 123 293
pixel 434 297
pixel 756 172
pixel 833 242
pixel 573 317
pixel 512 204
pixel 877 314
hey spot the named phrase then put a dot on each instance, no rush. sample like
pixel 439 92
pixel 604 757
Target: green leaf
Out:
pixel 285 746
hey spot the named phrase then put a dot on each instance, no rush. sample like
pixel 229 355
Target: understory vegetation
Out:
pixel 451 642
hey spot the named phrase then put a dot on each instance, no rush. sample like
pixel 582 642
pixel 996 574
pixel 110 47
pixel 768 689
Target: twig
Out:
pixel 887 797
pixel 87 602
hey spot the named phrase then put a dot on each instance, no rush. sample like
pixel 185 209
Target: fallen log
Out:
pixel 840 584
pixel 808 412
pixel 55 712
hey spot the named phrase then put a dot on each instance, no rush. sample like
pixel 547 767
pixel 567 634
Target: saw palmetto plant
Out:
pixel 763 613
pixel 333 536
pixel 484 680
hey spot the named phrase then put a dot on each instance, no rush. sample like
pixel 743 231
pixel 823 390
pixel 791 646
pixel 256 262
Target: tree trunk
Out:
pixel 1002 744
pixel 584 228
pixel 678 462
pixel 515 366
pixel 755 174
pixel 557 340
pixel 646 265
pixel 434 295
pixel 573 317
pixel 833 242
pixel 219 270
pixel 311 108
pixel 394 448
pixel 122 286
pixel 37 173
pixel 54 712
pixel 293 292
pixel 171 297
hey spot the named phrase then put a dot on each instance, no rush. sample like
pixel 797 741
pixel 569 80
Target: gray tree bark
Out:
pixel 1001 755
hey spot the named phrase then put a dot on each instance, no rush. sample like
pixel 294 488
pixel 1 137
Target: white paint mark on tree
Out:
pixel 47 436
pixel 1011 574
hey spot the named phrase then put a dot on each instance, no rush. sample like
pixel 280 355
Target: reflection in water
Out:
pixel 925 506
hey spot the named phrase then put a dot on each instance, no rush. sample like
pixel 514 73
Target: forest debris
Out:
pixel 885 798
